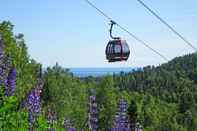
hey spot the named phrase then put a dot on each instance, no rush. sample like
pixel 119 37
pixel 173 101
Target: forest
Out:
pixel 161 98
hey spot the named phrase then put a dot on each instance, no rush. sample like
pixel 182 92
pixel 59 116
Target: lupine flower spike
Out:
pixel 33 103
pixel 10 82
pixel 120 121
pixel 93 113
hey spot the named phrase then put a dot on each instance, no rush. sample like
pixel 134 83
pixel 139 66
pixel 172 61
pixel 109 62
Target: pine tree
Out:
pixel 132 113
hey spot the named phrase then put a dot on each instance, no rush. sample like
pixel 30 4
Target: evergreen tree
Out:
pixel 132 113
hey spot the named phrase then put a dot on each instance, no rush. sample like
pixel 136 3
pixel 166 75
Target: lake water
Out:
pixel 96 72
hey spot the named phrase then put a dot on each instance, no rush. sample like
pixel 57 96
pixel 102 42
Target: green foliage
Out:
pixel 106 100
pixel 66 96
pixel 162 98
pixel 170 94
pixel 10 118
pixel 42 124
pixel 15 47
pixel 132 114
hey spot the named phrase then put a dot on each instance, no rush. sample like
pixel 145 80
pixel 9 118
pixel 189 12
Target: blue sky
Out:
pixel 73 34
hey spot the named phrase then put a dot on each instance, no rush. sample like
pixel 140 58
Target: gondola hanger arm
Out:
pixel 112 23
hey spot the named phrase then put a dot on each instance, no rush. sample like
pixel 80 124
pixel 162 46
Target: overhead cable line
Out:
pixel 124 29
pixel 168 25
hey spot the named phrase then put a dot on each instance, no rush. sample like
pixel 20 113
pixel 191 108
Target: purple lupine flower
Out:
pixel 50 118
pixel 3 70
pixel 52 129
pixel 37 101
pixel 67 125
pixel 93 113
pixel 1 60
pixel 6 87
pixel 10 82
pixel 120 121
pixel 30 103
pixel 33 107
pixel 33 104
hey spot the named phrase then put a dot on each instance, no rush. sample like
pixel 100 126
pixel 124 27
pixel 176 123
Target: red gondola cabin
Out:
pixel 117 50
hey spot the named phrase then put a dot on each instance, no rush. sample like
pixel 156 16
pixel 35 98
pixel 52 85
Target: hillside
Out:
pixel 172 78
pixel 174 83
